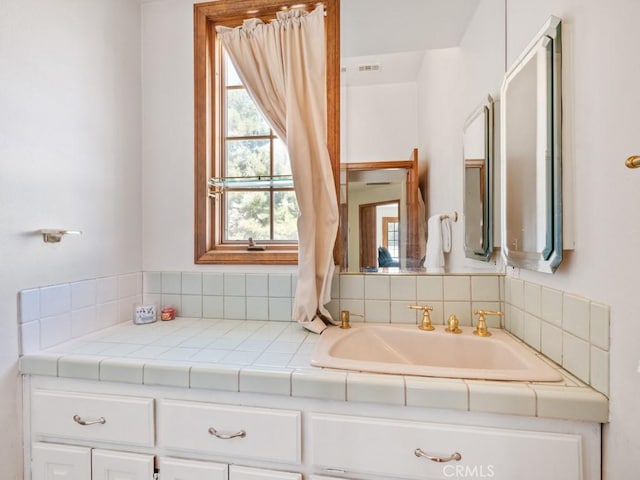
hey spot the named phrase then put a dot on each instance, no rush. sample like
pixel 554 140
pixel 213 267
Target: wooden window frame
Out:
pixel 207 246
pixel 385 231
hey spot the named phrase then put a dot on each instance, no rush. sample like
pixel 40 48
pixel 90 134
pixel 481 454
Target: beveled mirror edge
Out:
pixel 552 30
pixel 485 107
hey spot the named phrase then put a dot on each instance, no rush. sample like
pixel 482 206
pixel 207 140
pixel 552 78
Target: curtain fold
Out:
pixel 282 65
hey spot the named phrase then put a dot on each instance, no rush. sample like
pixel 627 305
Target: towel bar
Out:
pixel 55 235
pixel 451 216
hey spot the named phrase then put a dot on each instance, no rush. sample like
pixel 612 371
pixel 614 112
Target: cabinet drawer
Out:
pixel 387 448
pixel 272 435
pixel 103 418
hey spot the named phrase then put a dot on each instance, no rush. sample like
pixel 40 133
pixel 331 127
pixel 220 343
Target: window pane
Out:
pixel 247 215
pixel 232 78
pixel 281 163
pixel 247 158
pixel 285 216
pixel 243 117
pixel 392 239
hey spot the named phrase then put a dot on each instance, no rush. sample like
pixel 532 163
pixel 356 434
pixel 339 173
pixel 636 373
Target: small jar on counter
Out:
pixel 144 314
pixel 168 313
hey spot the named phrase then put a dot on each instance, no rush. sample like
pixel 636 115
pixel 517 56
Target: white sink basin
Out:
pixel 406 350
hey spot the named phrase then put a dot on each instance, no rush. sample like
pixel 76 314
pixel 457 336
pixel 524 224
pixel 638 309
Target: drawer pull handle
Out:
pixel 224 436
pixel 454 456
pixel 79 420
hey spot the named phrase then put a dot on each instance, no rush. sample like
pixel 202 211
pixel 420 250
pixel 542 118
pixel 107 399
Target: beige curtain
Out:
pixel 282 65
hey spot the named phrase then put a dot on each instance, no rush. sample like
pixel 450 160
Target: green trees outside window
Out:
pixel 252 149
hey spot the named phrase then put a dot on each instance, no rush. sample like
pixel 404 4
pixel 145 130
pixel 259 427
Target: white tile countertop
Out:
pixel 273 358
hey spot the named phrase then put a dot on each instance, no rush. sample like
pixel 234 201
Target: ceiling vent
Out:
pixel 371 67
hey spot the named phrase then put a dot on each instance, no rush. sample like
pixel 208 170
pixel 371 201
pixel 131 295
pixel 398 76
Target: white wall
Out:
pixel 440 126
pixel 69 158
pixel 601 99
pixel 483 57
pixel 381 122
pixel 167 134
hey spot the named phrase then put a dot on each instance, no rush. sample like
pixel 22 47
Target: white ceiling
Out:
pixel 395 34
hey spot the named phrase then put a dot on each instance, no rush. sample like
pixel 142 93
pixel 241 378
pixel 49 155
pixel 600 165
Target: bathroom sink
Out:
pixel 406 350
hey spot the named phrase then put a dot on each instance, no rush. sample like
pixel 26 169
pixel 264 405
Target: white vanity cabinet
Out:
pixel 64 462
pixel 60 418
pixel 87 430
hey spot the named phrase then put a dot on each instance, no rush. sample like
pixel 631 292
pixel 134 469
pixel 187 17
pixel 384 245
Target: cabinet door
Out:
pixel 60 462
pixel 109 465
pixel 322 477
pixel 178 469
pixel 246 473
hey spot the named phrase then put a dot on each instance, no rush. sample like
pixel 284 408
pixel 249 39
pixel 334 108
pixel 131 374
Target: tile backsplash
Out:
pixel 385 298
pixel 54 314
pixel 571 330
pixel 232 296
pixel 269 296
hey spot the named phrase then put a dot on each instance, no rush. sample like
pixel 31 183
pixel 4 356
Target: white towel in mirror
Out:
pixel 438 242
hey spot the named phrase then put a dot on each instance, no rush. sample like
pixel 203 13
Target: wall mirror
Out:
pixel 531 155
pixel 478 182
pixel 384 77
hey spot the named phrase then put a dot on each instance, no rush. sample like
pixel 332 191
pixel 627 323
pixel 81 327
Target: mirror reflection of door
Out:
pixel 383 183
pixel 379 229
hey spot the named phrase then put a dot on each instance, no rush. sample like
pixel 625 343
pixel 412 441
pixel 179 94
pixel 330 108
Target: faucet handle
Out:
pixel 487 312
pixel 344 318
pixel 426 316
pixel 481 329
pixel 425 308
